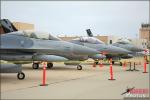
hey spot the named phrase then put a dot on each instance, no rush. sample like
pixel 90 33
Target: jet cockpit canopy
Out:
pixel 36 35
pixel 89 40
pixel 124 41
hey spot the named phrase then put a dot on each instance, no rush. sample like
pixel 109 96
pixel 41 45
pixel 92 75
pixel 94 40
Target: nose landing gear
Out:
pixel 49 65
pixel 35 65
pixel 21 76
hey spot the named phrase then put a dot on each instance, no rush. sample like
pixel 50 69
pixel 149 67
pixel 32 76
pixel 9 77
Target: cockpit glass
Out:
pixel 125 41
pixel 36 35
pixel 89 40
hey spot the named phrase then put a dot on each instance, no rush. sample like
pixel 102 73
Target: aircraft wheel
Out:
pixel 21 76
pixel 79 67
pixel 49 65
pixel 35 65
pixel 96 62
pixel 120 63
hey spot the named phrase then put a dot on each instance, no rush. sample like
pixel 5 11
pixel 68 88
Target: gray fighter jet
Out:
pixel 106 50
pixel 125 44
pixel 24 46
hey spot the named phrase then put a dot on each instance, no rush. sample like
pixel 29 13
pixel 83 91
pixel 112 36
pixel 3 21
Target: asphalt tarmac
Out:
pixel 66 82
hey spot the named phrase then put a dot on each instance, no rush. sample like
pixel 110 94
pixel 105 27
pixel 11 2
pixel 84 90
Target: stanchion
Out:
pixel 129 68
pixel 134 69
pixel 111 71
pixel 44 75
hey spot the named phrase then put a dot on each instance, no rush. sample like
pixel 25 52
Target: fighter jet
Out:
pixel 105 50
pixel 126 44
pixel 131 50
pixel 17 46
pixel 21 46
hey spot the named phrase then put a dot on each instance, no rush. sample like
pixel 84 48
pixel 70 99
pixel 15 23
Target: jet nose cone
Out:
pixel 138 49
pixel 83 50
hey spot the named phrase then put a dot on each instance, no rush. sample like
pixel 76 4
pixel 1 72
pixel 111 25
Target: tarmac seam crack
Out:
pixel 53 83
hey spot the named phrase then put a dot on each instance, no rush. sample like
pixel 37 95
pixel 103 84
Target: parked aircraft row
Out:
pixel 124 44
pixel 23 46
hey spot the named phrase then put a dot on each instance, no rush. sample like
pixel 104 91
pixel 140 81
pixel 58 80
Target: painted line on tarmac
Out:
pixel 51 83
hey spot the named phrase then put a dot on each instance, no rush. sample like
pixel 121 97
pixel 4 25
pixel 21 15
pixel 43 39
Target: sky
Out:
pixel 120 18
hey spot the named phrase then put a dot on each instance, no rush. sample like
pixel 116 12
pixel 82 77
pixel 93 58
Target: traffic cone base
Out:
pixel 112 79
pixel 43 84
pixel 145 72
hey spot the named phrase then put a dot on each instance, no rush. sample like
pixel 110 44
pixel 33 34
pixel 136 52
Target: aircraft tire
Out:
pixel 35 65
pixel 49 65
pixel 21 76
pixel 79 67
pixel 96 62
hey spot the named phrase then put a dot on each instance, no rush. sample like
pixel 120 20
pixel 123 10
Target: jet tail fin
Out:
pixel 89 33
pixel 7 26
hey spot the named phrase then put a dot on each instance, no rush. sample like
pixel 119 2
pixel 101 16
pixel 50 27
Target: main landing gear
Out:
pixel 49 65
pixel 36 65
